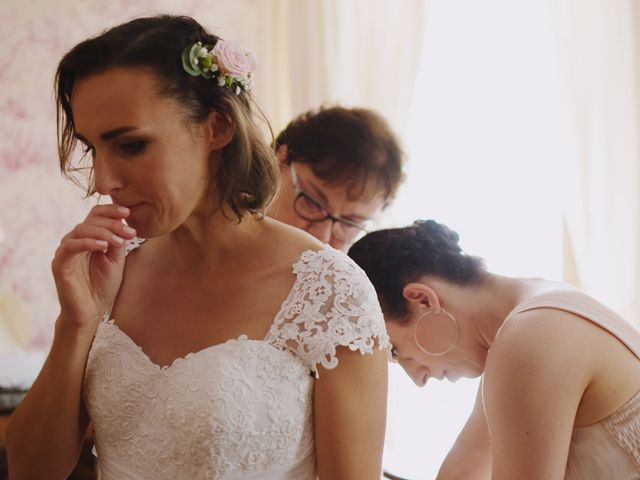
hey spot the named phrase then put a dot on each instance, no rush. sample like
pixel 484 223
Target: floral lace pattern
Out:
pixel 332 304
pixel 241 407
pixel 131 245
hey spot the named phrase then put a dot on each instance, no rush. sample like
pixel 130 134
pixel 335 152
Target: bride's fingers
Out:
pixel 115 226
pixel 117 212
pixel 74 246
pixel 94 232
pixel 66 255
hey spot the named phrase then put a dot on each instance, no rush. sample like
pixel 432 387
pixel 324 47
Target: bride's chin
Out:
pixel 148 227
pixel 144 230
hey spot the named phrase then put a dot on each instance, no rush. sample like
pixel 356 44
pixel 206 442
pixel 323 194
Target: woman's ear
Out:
pixel 220 130
pixel 420 295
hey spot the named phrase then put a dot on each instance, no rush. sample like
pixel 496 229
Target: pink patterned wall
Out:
pixel 36 205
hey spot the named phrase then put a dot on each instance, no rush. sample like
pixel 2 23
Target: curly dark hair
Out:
pixel 394 257
pixel 350 146
pixel 247 177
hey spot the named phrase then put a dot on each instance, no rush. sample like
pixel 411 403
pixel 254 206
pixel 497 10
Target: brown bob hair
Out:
pixel 351 146
pixel 247 177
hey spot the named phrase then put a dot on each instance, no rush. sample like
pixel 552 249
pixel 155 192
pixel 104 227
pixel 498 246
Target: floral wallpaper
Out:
pixel 37 206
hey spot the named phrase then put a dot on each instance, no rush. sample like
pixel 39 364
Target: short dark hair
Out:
pixel 394 257
pixel 247 176
pixel 346 145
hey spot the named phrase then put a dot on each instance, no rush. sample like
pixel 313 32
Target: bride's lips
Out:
pixel 134 207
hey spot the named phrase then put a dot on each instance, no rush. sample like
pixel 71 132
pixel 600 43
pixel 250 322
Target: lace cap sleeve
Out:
pixel 331 304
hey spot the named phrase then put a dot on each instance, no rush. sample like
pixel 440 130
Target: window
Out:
pixel 485 146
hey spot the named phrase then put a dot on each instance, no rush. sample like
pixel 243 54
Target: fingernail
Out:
pixel 102 244
pixel 117 239
pixel 129 230
pixel 123 210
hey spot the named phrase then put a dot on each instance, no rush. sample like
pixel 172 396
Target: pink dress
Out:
pixel 609 449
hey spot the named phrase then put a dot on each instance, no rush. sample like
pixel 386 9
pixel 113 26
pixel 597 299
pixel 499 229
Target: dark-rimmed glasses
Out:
pixel 312 210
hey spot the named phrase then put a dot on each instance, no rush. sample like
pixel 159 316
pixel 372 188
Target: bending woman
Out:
pixel 560 395
pixel 227 345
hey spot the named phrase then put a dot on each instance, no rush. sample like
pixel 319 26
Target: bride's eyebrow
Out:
pixel 108 135
pixel 116 132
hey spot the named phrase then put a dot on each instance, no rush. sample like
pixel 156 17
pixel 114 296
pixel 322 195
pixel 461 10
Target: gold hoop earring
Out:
pixel 455 324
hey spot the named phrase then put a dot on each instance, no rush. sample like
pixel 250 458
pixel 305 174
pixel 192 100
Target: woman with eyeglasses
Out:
pixel 340 168
pixel 560 390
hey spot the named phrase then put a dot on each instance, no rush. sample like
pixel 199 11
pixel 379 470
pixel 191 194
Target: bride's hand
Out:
pixel 88 266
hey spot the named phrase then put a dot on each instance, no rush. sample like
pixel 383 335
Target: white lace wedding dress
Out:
pixel 242 409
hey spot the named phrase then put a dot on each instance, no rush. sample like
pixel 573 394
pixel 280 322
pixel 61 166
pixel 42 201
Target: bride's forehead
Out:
pixel 120 95
pixel 118 86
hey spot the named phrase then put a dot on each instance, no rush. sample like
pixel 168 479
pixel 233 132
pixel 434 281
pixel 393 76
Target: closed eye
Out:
pixel 132 147
pixel 311 204
pixel 353 224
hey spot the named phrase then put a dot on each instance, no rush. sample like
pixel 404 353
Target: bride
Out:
pixel 233 346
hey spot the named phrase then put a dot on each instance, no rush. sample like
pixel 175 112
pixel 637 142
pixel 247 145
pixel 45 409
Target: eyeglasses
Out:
pixel 312 210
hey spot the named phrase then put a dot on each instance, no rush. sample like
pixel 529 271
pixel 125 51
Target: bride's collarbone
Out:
pixel 170 313
pixel 230 294
pixel 192 317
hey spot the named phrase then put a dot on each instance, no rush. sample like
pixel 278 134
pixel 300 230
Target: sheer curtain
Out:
pixel 523 136
pixel 353 52
pixel 598 43
pixel 486 136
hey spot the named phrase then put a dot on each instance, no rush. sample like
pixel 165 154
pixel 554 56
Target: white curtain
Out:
pixel 599 52
pixel 484 141
pixel 351 52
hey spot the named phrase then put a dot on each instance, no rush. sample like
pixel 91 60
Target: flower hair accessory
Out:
pixel 232 66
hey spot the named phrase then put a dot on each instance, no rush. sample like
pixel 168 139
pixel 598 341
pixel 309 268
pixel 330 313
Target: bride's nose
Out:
pixel 106 178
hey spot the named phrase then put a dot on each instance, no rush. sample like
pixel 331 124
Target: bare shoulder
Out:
pixel 534 380
pixel 542 330
pixel 543 345
pixel 290 241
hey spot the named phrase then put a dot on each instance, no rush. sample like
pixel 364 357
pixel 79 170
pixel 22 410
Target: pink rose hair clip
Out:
pixel 232 66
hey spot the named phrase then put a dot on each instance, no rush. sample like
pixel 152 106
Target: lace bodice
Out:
pixel 242 409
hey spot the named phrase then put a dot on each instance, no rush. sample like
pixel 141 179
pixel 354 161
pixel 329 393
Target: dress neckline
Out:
pixel 182 358
pixel 303 258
